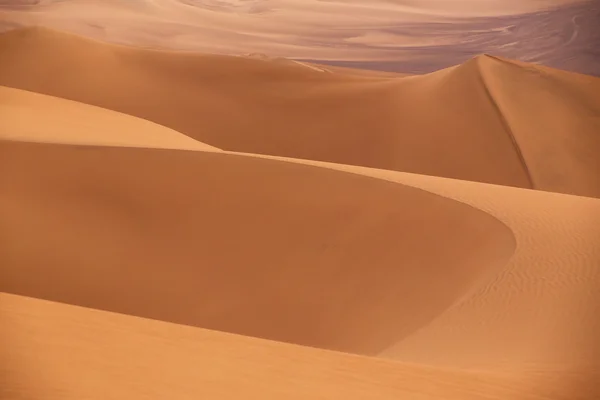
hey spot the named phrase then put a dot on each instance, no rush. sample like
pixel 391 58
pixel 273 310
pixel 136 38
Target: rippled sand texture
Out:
pixel 178 225
pixel 391 35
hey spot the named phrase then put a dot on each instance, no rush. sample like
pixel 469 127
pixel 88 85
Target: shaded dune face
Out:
pixel 250 246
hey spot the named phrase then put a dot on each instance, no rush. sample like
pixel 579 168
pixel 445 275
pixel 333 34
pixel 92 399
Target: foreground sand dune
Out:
pixel 227 242
pixel 112 356
pixel 535 290
pixel 462 122
pixel 541 308
pixel 524 330
pixel 28 116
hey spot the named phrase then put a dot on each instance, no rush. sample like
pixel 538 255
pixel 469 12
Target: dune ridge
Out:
pixel 301 113
pixel 557 143
pixel 28 116
pixel 358 245
pixel 554 269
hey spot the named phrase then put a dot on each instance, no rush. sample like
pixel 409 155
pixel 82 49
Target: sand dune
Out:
pixel 34 117
pixel 540 309
pixel 331 259
pixel 554 117
pixel 332 256
pixel 112 356
pixel 183 225
pixel 524 329
pixel 477 132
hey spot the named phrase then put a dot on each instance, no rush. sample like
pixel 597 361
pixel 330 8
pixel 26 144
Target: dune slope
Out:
pixel 555 119
pixel 227 242
pixel 538 312
pixel 111 356
pixel 28 116
pixel 452 123
pixel 526 331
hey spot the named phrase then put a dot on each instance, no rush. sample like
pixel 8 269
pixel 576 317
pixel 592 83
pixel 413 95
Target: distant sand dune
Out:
pixel 398 35
pixel 34 117
pixel 554 117
pixel 248 105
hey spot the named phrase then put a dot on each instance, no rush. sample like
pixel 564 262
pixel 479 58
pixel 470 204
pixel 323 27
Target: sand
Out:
pixel 28 116
pixel 285 109
pixel 338 238
pixel 503 323
pixel 111 356
pixel 187 225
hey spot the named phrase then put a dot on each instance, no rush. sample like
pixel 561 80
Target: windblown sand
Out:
pixel 182 225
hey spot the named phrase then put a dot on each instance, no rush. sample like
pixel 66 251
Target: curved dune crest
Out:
pixel 553 116
pixel 293 111
pixel 511 325
pixel 227 242
pixel 34 117
pixel 538 312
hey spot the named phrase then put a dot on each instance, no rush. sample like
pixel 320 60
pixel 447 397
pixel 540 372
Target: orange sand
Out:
pixel 480 130
pixel 182 225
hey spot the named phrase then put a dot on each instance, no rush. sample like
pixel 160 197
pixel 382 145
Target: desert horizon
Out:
pixel 283 199
pixel 387 35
